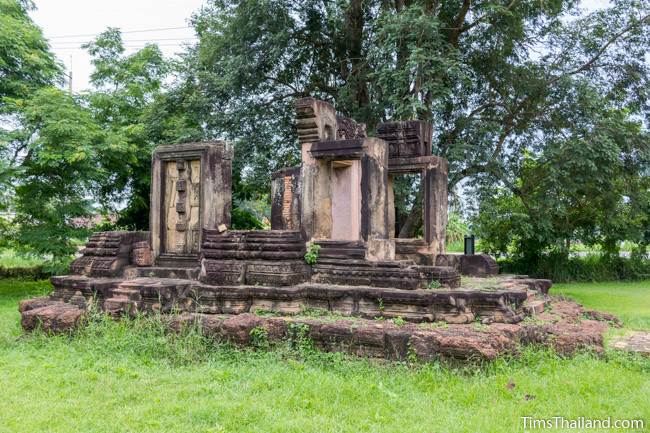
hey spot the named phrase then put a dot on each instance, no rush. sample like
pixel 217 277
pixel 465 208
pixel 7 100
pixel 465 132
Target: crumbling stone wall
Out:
pixel 107 253
pixel 285 199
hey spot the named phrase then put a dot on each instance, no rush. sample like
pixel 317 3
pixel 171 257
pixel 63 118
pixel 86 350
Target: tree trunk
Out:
pixel 354 42
pixel 413 221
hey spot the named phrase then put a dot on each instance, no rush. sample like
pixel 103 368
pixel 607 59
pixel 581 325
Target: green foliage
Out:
pixel 399 321
pixel 57 176
pixel 562 268
pixel 68 157
pixel 434 284
pixel 35 273
pixel 259 338
pixel 591 185
pixel 311 256
pixel 627 300
pixel 407 194
pixel 457 229
pixel 537 101
pixel 250 215
pixel 299 340
pixel 28 266
pixel 26 62
pixel 242 219
pixel 126 87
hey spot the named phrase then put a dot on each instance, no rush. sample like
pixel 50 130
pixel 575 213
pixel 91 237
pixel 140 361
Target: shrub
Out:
pixel 243 219
pixel 560 268
pixel 311 256
pixel 27 273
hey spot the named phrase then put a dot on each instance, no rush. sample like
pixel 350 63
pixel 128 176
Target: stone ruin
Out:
pixel 341 199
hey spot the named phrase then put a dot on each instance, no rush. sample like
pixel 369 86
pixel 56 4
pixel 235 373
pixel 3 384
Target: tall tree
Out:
pixel 498 79
pixel 57 175
pixel 125 87
pixel 26 62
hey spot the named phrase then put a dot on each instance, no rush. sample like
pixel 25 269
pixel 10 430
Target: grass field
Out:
pixel 131 376
pixel 630 301
pixel 10 259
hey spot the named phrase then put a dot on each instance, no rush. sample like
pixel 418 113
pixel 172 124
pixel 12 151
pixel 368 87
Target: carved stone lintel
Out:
pixel 406 139
pixel 348 129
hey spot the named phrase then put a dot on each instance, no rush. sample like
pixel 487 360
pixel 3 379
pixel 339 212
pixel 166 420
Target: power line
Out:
pixel 128 31
pixel 137 40
pixel 125 46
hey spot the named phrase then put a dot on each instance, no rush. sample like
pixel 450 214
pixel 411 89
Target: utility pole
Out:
pixel 69 76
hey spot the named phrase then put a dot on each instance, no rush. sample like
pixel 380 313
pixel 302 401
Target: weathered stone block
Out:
pixel 141 254
pixel 56 317
pixel 475 265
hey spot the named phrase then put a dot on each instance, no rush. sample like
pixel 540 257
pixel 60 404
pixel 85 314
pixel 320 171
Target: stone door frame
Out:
pixel 215 192
pixel 433 177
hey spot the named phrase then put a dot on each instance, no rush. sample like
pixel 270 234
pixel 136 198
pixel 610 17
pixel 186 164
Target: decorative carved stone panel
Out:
pixel 182 206
pixel 406 139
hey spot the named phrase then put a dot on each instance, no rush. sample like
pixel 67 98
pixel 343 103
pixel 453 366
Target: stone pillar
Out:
pixel 315 121
pixel 374 201
pixel 391 208
pixel 435 209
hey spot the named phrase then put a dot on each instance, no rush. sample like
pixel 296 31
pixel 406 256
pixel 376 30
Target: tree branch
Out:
pixel 478 20
pixel 600 51
pixel 458 22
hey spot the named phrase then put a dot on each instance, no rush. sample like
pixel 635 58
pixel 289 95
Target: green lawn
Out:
pixel 630 301
pixel 130 376
pixel 10 259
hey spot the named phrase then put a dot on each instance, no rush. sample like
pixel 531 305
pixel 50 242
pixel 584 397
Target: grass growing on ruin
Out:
pixel 630 301
pixel 132 376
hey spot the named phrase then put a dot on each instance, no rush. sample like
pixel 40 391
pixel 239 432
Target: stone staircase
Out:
pixel 123 301
pixel 343 263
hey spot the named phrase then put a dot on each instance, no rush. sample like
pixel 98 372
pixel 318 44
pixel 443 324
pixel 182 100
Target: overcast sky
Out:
pixel 63 20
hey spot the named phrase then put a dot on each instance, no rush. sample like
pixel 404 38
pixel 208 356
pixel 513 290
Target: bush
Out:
pixel 27 273
pixel 243 219
pixel 560 268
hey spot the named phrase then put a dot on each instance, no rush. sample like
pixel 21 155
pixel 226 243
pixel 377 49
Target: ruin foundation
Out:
pixel 388 294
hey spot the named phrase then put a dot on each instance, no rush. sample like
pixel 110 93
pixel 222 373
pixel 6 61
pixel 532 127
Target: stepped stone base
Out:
pixel 253 257
pixel 564 328
pixel 463 305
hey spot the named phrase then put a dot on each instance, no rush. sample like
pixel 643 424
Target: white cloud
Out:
pixel 89 17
